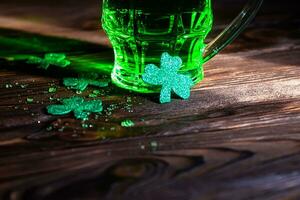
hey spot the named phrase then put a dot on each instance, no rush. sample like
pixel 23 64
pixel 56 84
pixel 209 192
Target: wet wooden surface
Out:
pixel 236 138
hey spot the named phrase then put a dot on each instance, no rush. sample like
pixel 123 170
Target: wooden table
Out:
pixel 236 138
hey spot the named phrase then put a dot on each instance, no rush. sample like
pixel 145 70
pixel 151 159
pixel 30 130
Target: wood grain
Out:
pixel 238 137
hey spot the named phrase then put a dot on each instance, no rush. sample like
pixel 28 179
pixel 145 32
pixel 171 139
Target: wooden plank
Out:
pixel 236 138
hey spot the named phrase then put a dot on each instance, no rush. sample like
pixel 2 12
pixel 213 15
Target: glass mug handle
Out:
pixel 233 30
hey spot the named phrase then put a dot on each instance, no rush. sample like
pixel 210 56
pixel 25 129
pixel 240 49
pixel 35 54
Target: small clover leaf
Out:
pixel 84 81
pixel 55 59
pixel 168 78
pixel 81 108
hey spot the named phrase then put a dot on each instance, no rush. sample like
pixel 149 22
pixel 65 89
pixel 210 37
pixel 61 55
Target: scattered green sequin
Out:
pixel 81 108
pixel 23 86
pixel 97 92
pixel 84 81
pixel 167 76
pixel 84 125
pixel 29 100
pixel 8 85
pixel 92 95
pixel 129 100
pixel 127 123
pixel 87 125
pixel 52 89
pixel 52 98
pixel 61 129
pixel 154 145
pixel 142 147
pixel 56 59
pixel 49 128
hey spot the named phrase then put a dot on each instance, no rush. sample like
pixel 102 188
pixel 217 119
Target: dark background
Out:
pixel 77 13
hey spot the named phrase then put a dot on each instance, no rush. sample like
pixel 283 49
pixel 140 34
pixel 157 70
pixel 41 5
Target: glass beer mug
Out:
pixel 141 30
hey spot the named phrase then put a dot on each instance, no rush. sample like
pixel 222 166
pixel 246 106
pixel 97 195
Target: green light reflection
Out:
pixel 84 56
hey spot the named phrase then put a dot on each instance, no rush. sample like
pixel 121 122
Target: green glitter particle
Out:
pixel 142 147
pixel 52 89
pixel 29 100
pixel 84 125
pixel 49 128
pixel 129 100
pixel 23 86
pixel 81 108
pixel 84 81
pixel 97 92
pixel 167 76
pixel 52 98
pixel 127 123
pixel 55 59
pixel 8 85
pixel 154 145
pixel 92 95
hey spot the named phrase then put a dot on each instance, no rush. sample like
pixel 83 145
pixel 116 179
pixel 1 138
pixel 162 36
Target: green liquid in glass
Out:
pixel 141 30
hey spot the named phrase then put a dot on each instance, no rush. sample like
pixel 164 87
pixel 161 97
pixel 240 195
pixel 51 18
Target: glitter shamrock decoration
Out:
pixel 84 81
pixel 81 108
pixel 56 59
pixel 167 76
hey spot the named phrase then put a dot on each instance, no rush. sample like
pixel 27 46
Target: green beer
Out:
pixel 141 30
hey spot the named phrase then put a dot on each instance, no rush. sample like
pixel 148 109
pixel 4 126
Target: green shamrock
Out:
pixel 81 108
pixel 82 82
pixel 56 59
pixel 167 76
